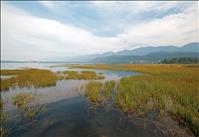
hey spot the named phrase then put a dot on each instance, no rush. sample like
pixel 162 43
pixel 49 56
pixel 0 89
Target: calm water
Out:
pixel 69 114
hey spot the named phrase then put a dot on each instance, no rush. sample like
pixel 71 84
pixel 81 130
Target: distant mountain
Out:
pixel 191 47
pixel 150 58
pixel 149 54
pixel 146 50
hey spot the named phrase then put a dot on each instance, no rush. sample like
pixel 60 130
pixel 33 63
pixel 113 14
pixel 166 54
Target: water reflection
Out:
pixel 72 118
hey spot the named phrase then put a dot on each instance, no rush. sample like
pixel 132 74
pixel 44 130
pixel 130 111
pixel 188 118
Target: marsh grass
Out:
pixel 171 89
pixel 107 89
pixel 41 78
pixel 28 77
pixel 25 104
pixel 98 91
pixel 2 120
pixel 86 75
pixel 92 91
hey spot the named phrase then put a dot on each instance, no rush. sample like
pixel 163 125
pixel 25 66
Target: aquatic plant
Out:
pixel 28 77
pixel 2 119
pixel 97 91
pixel 107 89
pixel 171 89
pixel 174 91
pixel 92 91
pixel 24 102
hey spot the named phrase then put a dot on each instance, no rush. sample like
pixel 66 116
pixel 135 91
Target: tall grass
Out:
pixel 2 119
pixel 41 77
pixel 92 91
pixel 172 89
pixel 107 89
pixel 28 77
pixel 25 104
pixel 97 91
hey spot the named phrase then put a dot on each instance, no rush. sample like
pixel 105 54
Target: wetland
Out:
pixel 102 100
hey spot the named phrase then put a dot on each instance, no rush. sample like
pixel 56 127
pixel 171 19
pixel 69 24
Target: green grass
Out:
pixel 145 93
pixel 28 77
pixel 107 89
pixel 41 78
pixel 92 91
pixel 172 89
pixel 97 91
pixel 2 119
pixel 24 103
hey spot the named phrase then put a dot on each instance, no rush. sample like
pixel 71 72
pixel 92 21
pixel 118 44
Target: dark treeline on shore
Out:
pixel 181 60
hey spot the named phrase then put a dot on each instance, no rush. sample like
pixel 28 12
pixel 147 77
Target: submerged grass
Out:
pixel 28 77
pixel 172 89
pixel 107 89
pixel 25 104
pixel 92 91
pixel 97 91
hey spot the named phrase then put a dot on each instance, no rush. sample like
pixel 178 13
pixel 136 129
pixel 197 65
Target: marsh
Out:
pixel 93 107
pixel 99 69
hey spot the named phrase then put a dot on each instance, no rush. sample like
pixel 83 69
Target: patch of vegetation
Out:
pixel 24 102
pixel 87 75
pixel 172 89
pixel 107 89
pixel 2 119
pixel 41 78
pixel 28 77
pixel 92 91
pixel 97 91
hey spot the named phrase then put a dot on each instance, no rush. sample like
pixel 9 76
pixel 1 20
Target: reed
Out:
pixel 107 89
pixel 2 120
pixel 172 89
pixel 28 77
pixel 98 91
pixel 92 91
pixel 25 104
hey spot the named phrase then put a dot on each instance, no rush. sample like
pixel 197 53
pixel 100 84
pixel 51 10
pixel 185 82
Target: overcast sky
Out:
pixel 49 30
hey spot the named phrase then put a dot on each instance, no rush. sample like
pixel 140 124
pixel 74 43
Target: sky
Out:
pixel 59 30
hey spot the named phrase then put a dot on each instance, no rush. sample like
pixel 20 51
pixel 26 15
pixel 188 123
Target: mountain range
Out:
pixel 152 54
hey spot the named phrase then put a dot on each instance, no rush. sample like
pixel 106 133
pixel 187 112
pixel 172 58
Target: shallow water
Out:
pixel 73 118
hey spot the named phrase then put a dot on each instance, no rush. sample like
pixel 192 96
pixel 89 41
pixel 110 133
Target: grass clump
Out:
pixel 24 102
pixel 97 91
pixel 107 89
pixel 28 77
pixel 92 91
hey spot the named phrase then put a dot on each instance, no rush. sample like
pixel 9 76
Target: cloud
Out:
pixel 175 29
pixel 27 37
pixel 37 38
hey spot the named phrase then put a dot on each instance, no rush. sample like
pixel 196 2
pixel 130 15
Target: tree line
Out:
pixel 180 60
